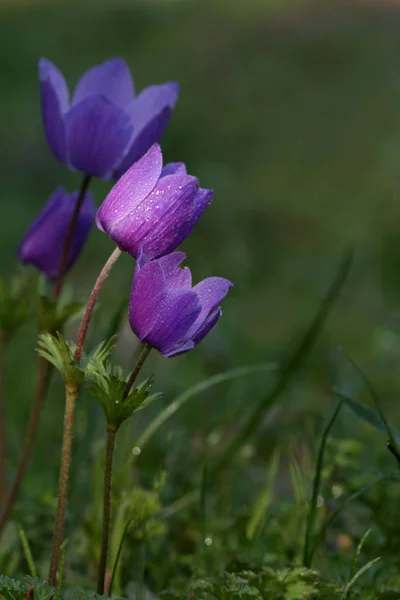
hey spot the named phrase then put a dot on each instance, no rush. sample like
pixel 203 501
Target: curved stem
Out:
pixel 111 433
pixel 92 301
pixel 69 237
pixel 41 387
pixel 71 394
pixel 141 360
pixel 3 445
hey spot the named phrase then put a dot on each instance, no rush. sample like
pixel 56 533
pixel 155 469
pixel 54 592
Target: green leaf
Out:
pixel 106 383
pixel 60 353
pixel 368 415
pixel 94 362
pixel 375 398
pixel 12 589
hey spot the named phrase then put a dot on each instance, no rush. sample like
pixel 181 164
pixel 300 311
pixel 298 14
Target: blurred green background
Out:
pixel 290 111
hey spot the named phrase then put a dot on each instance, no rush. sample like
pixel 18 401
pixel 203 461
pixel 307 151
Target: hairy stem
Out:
pixel 41 387
pixel 111 433
pixel 70 236
pixel 141 360
pixel 92 301
pixel 71 394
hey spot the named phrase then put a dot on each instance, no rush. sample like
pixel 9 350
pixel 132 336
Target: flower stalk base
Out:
pixel 111 433
pixel 71 394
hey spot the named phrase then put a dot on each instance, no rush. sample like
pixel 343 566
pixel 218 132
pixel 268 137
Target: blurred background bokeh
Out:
pixel 290 111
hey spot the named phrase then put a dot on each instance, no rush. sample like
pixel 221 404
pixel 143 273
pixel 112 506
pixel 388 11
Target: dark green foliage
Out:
pixel 107 384
pixel 11 589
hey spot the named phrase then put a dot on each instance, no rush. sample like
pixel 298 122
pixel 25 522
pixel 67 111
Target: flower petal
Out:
pixel 195 209
pixel 149 289
pixel 48 72
pixel 177 168
pixel 112 79
pixel 180 349
pixel 153 225
pixel 54 102
pixel 208 324
pixel 211 292
pixel 130 191
pixel 151 283
pixel 177 313
pixel 175 277
pixel 43 242
pixel 150 113
pixel 97 135
pixel 141 143
pixel 151 101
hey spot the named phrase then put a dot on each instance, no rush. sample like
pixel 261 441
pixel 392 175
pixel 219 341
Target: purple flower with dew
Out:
pixel 166 312
pixel 42 244
pixel 104 127
pixel 152 209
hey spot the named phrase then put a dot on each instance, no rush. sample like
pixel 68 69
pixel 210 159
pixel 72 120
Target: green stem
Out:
pixel 111 433
pixel 71 394
pixel 141 360
pixel 70 236
pixel 92 301
pixel 41 387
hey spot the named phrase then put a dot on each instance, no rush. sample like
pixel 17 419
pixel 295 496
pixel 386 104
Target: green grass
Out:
pixel 290 112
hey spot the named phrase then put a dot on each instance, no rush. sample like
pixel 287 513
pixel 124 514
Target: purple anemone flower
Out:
pixel 104 128
pixel 152 209
pixel 166 312
pixel 42 244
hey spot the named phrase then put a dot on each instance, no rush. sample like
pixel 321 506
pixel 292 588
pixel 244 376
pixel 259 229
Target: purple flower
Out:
pixel 42 244
pixel 152 209
pixel 166 312
pixel 104 128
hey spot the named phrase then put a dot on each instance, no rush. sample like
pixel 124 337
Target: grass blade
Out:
pixel 194 390
pixel 341 508
pixel 374 396
pixel 310 525
pixel 115 566
pixel 292 366
pixel 363 569
pixel 357 554
pixel 264 499
pixel 60 579
pixel 27 552
pixel 368 415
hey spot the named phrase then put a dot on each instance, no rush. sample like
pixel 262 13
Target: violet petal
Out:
pixel 112 79
pixel 140 143
pixel 130 191
pixel 211 292
pixel 206 327
pixel 177 168
pixel 176 314
pixel 54 103
pixel 43 242
pixel 97 135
